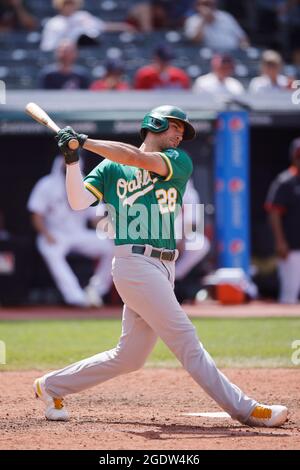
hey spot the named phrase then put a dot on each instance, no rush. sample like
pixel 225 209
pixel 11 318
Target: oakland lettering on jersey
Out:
pixel 125 188
pixel 141 180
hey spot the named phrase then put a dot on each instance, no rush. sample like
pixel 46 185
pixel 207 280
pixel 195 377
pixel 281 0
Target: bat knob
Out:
pixel 73 144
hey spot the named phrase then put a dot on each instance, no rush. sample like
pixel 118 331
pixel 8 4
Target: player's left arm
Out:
pixel 127 154
pixel 118 152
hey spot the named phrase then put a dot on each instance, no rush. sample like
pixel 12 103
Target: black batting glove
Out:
pixel 71 156
pixel 67 129
pixel 68 132
pixel 63 137
pixel 81 139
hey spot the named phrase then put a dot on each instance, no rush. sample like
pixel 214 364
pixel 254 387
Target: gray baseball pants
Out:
pixel 151 310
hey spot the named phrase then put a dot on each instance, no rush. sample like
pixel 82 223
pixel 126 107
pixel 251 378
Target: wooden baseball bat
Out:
pixel 37 113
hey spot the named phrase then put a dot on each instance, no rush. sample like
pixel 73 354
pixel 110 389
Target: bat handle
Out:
pixel 73 144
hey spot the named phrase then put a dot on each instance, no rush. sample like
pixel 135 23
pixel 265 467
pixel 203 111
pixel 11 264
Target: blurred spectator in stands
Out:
pixel 214 28
pixel 64 74
pixel 283 203
pixel 14 15
pixel 160 74
pixel 113 78
pixel 219 81
pixel 151 15
pixel 270 78
pixel 62 231
pixel 78 25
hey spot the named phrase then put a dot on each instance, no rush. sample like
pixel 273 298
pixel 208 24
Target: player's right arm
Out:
pixel 81 194
pixel 78 196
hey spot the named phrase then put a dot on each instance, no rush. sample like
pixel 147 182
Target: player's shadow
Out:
pixel 169 431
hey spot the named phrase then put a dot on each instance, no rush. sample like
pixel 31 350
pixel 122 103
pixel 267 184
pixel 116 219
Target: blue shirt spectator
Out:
pixel 64 74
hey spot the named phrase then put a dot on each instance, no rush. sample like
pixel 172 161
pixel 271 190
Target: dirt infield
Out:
pixel 145 410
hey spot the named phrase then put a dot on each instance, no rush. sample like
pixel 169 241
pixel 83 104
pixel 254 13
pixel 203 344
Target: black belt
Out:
pixel 163 255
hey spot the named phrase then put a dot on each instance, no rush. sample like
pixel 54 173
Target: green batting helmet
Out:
pixel 157 121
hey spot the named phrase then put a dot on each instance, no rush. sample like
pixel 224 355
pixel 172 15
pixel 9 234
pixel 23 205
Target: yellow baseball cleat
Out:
pixel 269 416
pixel 55 410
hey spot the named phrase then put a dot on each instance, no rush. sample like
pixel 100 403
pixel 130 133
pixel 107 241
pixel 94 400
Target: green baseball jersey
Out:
pixel 142 205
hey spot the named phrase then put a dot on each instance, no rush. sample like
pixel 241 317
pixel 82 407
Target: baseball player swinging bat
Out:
pixel 39 115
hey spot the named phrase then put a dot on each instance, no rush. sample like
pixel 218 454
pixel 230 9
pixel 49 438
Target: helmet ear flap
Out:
pixel 154 123
pixel 159 123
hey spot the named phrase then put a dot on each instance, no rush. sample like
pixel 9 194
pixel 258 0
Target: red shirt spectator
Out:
pixel 113 79
pixel 160 74
pixel 108 84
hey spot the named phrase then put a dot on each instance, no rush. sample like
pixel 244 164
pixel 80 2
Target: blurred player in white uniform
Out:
pixel 62 231
pixel 188 259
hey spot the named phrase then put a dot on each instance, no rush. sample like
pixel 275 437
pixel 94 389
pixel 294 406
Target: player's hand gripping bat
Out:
pixel 42 117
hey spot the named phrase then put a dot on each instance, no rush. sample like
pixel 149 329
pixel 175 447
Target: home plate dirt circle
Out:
pixel 153 408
